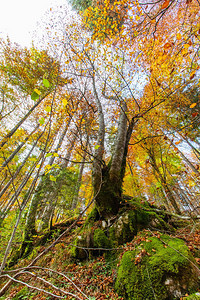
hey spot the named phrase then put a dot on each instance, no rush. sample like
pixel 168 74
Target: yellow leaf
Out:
pixel 178 36
pixel 48 109
pixel 48 167
pixel 191 183
pixel 193 105
pixel 64 102
pixel 186 46
pixel 37 91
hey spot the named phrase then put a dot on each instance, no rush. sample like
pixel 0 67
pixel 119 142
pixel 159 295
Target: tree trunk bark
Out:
pixel 79 180
pixel 110 188
pixel 163 181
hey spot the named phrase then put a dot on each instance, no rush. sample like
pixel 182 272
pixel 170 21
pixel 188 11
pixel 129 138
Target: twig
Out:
pixel 52 285
pixel 32 287
pixel 53 271
pixel 151 283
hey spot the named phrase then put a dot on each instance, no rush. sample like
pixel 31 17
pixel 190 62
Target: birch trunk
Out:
pixel 5 139
pixel 20 167
pixel 17 150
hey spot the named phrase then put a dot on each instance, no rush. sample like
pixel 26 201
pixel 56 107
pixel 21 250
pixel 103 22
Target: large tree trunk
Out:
pixel 108 179
pixel 109 196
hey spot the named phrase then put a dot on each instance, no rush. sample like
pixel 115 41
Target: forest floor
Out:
pixel 94 277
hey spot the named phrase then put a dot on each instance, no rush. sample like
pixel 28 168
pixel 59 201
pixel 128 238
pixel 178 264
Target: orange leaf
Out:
pixel 194 114
pixel 178 142
pixel 192 75
pixel 167 45
pixel 193 105
pixel 165 4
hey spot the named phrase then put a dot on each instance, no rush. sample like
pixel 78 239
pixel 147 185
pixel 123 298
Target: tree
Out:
pixel 114 96
pixel 101 65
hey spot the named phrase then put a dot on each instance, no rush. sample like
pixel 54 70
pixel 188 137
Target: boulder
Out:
pixel 158 268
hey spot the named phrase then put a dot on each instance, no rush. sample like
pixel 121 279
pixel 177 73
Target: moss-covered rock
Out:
pixel 124 228
pixel 131 221
pixel 158 268
pixel 82 245
pixel 134 216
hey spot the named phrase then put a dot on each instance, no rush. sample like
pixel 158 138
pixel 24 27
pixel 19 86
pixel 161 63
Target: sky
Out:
pixel 18 18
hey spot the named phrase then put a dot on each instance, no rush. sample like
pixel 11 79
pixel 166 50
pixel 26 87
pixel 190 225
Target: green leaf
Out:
pixel 48 154
pixel 41 121
pixel 96 147
pixel 34 96
pixel 52 178
pixel 33 159
pixel 46 83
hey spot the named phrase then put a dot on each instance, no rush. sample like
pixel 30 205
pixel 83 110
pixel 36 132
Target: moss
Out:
pixel 170 253
pixel 133 281
pixel 92 217
pixel 84 238
pixel 195 296
pixel 154 270
pixel 100 239
pixel 24 293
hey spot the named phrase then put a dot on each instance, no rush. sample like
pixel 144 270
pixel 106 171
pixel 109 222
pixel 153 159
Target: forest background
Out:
pixel 105 103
